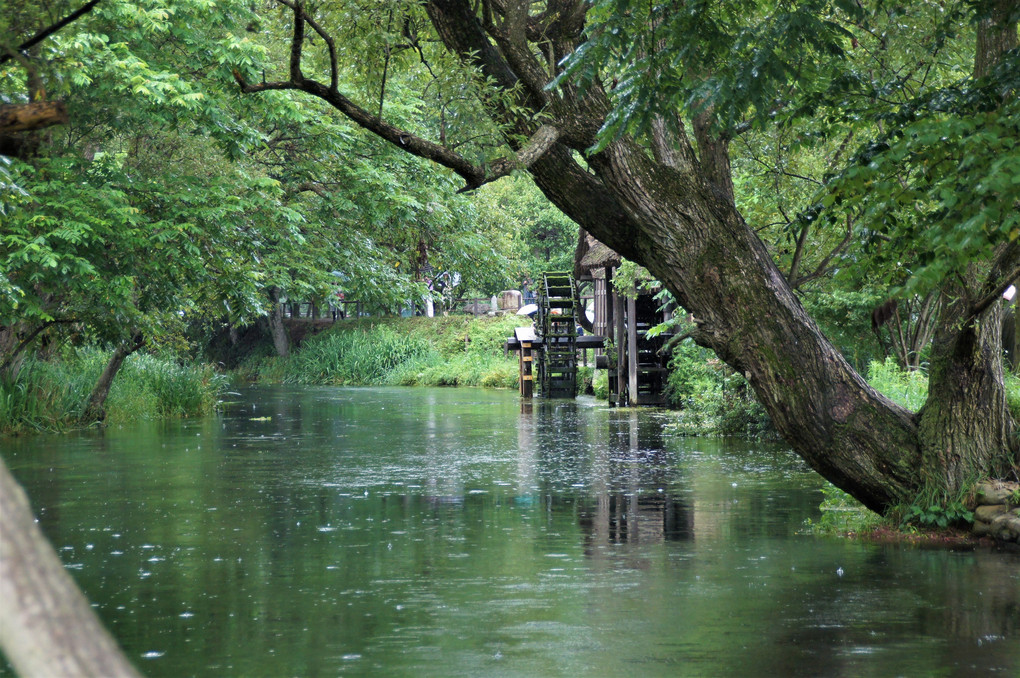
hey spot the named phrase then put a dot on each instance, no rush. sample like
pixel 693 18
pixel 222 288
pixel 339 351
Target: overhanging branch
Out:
pixel 474 176
pixel 52 28
pixel 537 146
pixel 1004 273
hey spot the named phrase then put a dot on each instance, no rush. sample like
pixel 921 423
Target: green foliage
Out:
pixel 48 395
pixel 842 514
pixel 1013 394
pixel 712 399
pixel 937 515
pixel 448 351
pixel 845 318
pixel 600 384
pixel 736 59
pixel 540 237
pixel 906 388
pixel 585 377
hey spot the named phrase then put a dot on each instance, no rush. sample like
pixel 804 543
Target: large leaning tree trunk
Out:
pixel 47 628
pixel 668 205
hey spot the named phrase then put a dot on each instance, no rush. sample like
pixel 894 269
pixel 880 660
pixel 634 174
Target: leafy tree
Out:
pixel 653 97
pixel 542 237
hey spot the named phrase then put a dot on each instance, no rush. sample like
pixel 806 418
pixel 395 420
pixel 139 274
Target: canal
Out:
pixel 429 532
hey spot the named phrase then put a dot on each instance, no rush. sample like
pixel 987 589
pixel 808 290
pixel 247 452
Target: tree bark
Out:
pixel 47 627
pixel 281 342
pixel 95 409
pixel 31 116
pixel 962 443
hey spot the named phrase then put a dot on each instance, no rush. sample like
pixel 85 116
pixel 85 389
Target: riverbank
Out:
pixel 50 394
pixel 445 351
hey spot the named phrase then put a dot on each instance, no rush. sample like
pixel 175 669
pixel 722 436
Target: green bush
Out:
pixel 585 375
pixel 711 397
pixel 1013 394
pixel 600 384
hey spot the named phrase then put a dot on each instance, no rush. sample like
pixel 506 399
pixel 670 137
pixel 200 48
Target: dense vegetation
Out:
pixel 796 175
pixel 446 351
pixel 48 395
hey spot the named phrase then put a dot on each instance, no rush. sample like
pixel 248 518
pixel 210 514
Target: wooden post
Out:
pixel 527 379
pixel 525 337
pixel 621 354
pixel 610 302
pixel 632 351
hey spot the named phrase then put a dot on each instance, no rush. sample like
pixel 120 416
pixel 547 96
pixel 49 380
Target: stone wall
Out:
pixel 997 514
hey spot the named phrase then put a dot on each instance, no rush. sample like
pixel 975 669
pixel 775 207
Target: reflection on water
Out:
pixel 453 532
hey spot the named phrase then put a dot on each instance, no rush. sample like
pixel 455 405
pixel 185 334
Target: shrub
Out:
pixel 712 398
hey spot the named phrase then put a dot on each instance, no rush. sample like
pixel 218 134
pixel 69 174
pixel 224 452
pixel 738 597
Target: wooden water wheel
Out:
pixel 557 329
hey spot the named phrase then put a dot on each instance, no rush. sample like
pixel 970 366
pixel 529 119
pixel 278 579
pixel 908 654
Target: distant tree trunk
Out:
pixel 47 627
pixel 14 339
pixel 95 409
pixel 276 327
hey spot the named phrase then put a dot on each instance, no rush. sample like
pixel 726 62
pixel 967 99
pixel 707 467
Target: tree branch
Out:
pixel 24 343
pixel 52 28
pixel 35 115
pixel 326 37
pixel 1004 272
pixel 538 145
pixel 824 263
pixel 297 42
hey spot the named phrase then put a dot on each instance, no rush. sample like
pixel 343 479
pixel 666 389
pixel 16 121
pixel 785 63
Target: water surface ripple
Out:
pixel 428 532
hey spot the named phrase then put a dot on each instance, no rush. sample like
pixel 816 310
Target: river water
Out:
pixel 428 532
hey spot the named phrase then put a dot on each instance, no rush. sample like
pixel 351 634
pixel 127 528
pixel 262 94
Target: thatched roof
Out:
pixel 597 255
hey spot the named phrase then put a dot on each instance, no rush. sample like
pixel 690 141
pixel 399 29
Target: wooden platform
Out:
pixel 522 334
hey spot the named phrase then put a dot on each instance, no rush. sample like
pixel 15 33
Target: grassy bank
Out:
pixel 49 395
pixel 447 351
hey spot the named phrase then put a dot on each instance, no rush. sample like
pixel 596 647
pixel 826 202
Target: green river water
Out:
pixel 428 532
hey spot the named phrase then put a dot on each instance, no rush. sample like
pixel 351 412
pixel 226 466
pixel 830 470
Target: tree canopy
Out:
pixel 754 156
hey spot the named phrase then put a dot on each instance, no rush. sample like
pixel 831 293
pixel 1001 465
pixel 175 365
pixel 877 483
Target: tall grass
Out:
pixel 449 351
pixel 49 395
pixel 906 388
pixel 355 358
